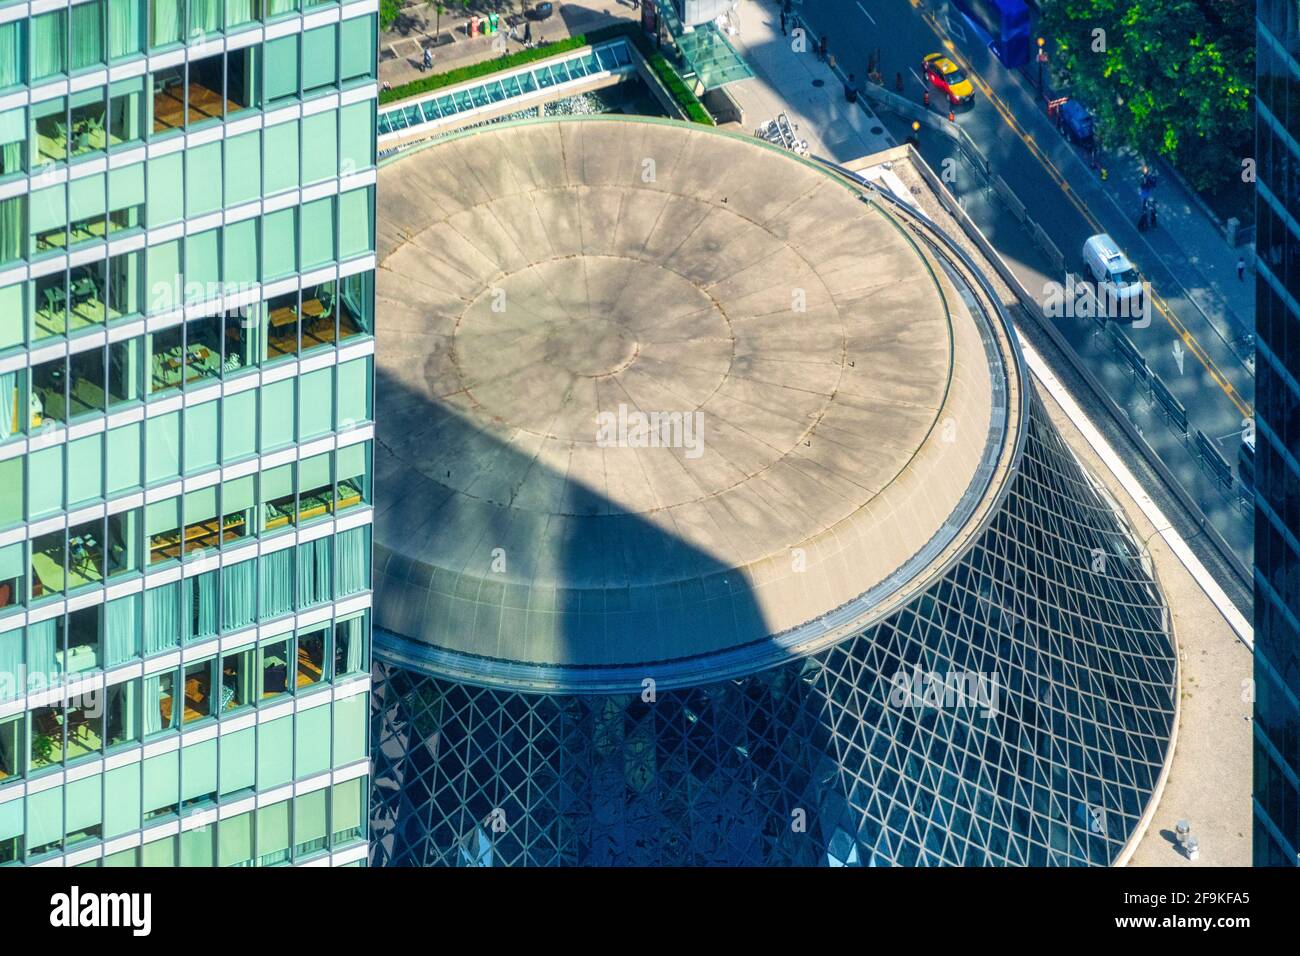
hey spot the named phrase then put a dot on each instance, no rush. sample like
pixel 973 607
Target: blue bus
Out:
pixel 1004 24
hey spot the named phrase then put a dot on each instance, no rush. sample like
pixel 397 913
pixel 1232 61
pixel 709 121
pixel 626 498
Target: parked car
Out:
pixel 1076 123
pixel 947 77
pixel 540 11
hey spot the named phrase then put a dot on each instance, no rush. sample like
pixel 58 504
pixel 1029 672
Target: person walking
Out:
pixel 784 20
pixel 1153 213
pixel 851 88
pixel 428 60
pixel 1241 268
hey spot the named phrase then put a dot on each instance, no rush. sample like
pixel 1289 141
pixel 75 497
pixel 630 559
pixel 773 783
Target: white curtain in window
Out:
pixel 11 664
pixel 11 54
pixel 165 22
pixel 43 653
pixel 314 572
pixel 123 27
pixel 349 632
pixel 8 403
pixel 11 225
pixel 122 630
pixel 277 583
pixel 160 618
pixel 201 600
pixel 238 595
pixel 152 705
pixel 352 561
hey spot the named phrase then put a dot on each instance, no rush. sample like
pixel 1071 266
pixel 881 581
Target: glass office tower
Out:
pixel 186 309
pixel 1277 468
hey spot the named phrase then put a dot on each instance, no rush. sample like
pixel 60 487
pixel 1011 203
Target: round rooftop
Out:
pixel 650 393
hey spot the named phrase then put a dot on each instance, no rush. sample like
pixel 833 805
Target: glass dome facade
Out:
pixel 1018 711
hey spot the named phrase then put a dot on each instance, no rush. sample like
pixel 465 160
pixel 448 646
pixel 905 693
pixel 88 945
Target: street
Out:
pixel 1192 343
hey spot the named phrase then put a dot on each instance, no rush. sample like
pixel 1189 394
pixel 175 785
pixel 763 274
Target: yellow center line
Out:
pixel 1182 331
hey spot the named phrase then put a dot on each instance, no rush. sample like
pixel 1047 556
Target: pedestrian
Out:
pixel 784 19
pixel 1153 213
pixel 898 82
pixel 528 33
pixel 1144 220
pixel 1241 269
pixel 851 88
pixel 428 60
pixel 822 49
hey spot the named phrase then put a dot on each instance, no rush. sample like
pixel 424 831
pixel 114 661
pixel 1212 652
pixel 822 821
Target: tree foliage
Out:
pixel 1170 78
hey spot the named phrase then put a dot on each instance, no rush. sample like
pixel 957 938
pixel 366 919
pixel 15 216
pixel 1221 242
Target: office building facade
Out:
pixel 186 318
pixel 1277 439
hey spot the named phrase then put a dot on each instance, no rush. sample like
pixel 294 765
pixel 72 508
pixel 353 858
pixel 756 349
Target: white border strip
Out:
pixel 1236 620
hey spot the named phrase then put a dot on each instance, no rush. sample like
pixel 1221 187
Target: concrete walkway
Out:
pixel 786 78
pixel 401 47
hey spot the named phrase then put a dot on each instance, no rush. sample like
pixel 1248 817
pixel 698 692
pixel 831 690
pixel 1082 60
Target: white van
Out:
pixel 1115 280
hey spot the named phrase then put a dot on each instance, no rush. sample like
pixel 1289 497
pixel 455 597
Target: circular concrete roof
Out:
pixel 823 396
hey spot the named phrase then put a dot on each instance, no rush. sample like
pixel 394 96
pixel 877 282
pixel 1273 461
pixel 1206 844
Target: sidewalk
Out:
pixel 786 80
pixel 401 47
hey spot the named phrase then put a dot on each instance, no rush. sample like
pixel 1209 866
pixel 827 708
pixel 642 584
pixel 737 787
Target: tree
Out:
pixel 1170 78
pixel 389 11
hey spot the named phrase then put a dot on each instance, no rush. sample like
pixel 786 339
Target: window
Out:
pixel 47 738
pixel 123 544
pixel 239 426
pixel 123 456
pixel 350 728
pixel 161 785
pixel 315 492
pixel 280 142
pixel 199 773
pixel 201 440
pixel 319 58
pixel 356 226
pixel 125 281
pixel 316 221
pixel 125 28
pixel 126 116
pixel 87 35
pixel 162 443
pixel 205 97
pixel 237 678
pixel 121 800
pixel 315 404
pixel 277 421
pixel 353 475
pixel 198 846
pixel 349 645
pixel 275 752
pixel 235 841
pixel 161 626
pixel 273 834
pixel 309 823
pixel 89 119
pixel 280 76
pixel 159 714
pixel 239 520
pixel 203 179
pixel 49 132
pixel 356 305
pixel 348 801
pixel 11 741
pixel 85 809
pixel 11 55
pixel 237 760
pixel 357 136
pixel 48 44
pixel 280 250
pixel 199 702
pixel 166 195
pixel 86 389
pixel 320 146
pixel 45 821
pixel 311 655
pixel 85 726
pixel 274 668
pixel 162 524
pixel 11 826
pixel 85 483
pixel 44 480
pixel 166 22
pixel 122 705
pixel 164 270
pixel 358 49
pixel 243 168
pixel 48 574
pixel 277 503
pixel 159 852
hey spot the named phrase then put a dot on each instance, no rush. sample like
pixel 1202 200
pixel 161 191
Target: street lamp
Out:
pixel 1042 58
pixel 915 138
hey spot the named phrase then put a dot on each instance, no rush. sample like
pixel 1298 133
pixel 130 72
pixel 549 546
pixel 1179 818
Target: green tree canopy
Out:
pixel 1171 78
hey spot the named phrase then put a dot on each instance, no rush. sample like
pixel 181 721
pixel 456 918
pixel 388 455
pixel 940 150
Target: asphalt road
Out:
pixel 1191 351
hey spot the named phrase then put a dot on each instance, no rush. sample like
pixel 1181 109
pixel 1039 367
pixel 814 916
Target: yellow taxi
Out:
pixel 947 77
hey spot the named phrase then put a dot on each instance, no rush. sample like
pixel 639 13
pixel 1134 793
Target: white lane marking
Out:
pixel 1236 620
pixel 867 15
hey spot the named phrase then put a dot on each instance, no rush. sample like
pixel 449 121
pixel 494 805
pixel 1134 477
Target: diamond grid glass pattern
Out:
pixel 816 762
